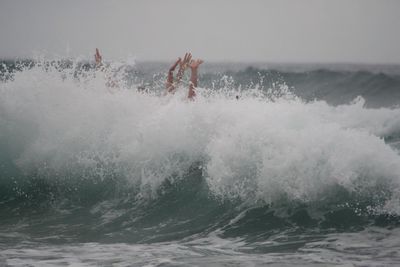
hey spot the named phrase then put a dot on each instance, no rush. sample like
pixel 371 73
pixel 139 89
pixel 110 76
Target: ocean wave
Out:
pixel 137 158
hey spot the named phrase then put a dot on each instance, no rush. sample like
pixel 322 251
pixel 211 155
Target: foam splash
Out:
pixel 262 147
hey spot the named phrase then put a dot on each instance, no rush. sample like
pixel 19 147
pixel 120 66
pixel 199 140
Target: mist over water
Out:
pixel 288 167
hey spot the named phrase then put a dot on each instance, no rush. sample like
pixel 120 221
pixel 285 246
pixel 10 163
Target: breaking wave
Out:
pixel 120 160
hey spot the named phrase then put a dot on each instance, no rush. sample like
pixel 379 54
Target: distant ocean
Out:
pixel 303 169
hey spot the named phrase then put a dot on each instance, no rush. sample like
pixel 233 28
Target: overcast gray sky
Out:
pixel 216 30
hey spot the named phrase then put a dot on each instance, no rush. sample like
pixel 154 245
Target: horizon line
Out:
pixel 364 63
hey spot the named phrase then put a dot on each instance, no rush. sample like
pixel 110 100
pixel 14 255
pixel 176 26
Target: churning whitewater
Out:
pixel 219 180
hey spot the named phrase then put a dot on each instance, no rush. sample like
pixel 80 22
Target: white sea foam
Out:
pixel 371 247
pixel 257 147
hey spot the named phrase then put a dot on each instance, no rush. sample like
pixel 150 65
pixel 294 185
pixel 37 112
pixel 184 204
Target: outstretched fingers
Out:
pixel 185 58
pixel 185 61
pixel 195 63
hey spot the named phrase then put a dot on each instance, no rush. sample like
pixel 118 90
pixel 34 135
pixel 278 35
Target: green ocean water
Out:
pixel 303 169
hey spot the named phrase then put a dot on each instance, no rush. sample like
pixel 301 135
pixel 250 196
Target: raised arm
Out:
pixel 194 65
pixel 98 58
pixel 182 67
pixel 170 79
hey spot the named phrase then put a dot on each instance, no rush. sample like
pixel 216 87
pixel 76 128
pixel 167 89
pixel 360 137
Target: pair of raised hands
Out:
pixel 186 62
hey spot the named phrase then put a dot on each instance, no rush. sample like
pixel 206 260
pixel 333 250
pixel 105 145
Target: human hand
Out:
pixel 195 63
pixel 185 62
pixel 97 57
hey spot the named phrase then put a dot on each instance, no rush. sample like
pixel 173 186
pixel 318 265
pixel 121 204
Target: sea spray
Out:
pixel 92 174
pixel 132 159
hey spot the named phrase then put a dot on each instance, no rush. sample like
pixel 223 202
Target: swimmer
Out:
pixel 183 64
pixel 194 65
pixel 98 59
pixel 111 82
